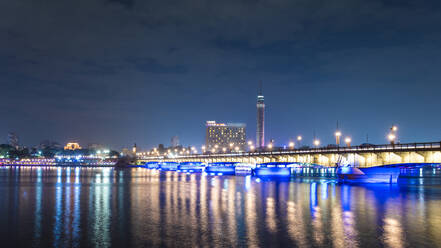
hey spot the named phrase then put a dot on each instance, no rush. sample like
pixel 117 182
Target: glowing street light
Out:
pixel 337 137
pixel 316 142
pixel 392 138
pixel 231 145
pixel 252 148
pixel 250 143
pixel 394 128
pixel 291 145
pixel 236 148
pixel 224 149
pixel 299 138
pixel 348 141
pixel 270 146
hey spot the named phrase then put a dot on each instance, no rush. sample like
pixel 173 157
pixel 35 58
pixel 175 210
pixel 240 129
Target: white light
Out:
pixel 291 144
pixel 338 133
pixel 299 138
pixel 316 142
pixel 391 137
pixel 348 140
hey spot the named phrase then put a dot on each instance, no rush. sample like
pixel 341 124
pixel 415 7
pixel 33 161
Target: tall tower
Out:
pixel 260 134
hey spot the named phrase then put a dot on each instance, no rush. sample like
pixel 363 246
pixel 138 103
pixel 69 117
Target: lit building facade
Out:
pixel 72 146
pixel 225 137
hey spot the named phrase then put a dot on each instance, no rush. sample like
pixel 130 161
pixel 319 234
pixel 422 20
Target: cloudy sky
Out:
pixel 123 71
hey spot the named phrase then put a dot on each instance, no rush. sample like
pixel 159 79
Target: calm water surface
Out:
pixel 73 207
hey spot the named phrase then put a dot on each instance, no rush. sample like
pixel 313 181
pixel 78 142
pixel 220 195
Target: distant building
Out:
pixel 72 146
pixel 94 146
pixel 220 136
pixel 13 140
pixel 260 131
pixel 134 149
pixel 47 144
pixel 175 141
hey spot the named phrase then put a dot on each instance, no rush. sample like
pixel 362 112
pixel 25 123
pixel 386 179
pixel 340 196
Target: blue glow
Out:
pixel 247 182
pixel 313 195
pixel 273 171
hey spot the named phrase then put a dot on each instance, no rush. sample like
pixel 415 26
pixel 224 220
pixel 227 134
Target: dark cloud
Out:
pixel 147 70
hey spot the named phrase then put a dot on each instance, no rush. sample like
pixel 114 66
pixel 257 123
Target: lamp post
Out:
pixel 391 137
pixel 316 142
pixel 348 141
pixel 270 146
pixel 337 137
pixel 291 145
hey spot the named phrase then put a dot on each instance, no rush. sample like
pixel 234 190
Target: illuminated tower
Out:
pixel 260 134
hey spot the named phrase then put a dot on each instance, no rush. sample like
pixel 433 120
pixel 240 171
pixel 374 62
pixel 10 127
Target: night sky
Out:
pixel 123 71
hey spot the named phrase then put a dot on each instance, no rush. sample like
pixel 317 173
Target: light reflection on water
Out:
pixel 102 207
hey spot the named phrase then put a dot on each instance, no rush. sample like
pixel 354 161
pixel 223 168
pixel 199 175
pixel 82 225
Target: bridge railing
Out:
pixel 352 149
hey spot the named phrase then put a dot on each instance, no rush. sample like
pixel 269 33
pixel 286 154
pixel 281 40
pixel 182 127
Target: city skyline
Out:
pixel 142 78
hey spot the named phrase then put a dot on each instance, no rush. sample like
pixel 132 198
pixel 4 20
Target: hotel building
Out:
pixel 221 137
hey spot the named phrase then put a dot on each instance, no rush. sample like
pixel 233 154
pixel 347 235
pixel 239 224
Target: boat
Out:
pixel 313 170
pixel 191 167
pixel 273 169
pixel 221 168
pixel 244 168
pixel 168 166
pixel 151 165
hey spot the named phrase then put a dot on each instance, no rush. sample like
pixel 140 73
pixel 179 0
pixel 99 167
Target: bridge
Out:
pixel 360 156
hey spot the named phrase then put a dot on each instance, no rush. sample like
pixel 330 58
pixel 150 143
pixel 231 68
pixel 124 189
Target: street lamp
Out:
pixel 392 138
pixel 348 141
pixel 337 137
pixel 299 138
pixel 236 148
pixel 394 128
pixel 250 143
pixel 270 146
pixel 291 145
pixel 224 149
pixel 251 148
pixel 316 143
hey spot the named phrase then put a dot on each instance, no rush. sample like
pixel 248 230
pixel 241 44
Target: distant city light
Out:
pixel 299 138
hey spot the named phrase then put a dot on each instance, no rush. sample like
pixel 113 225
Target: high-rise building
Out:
pixel 175 141
pixel 225 137
pixel 260 134
pixel 13 140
